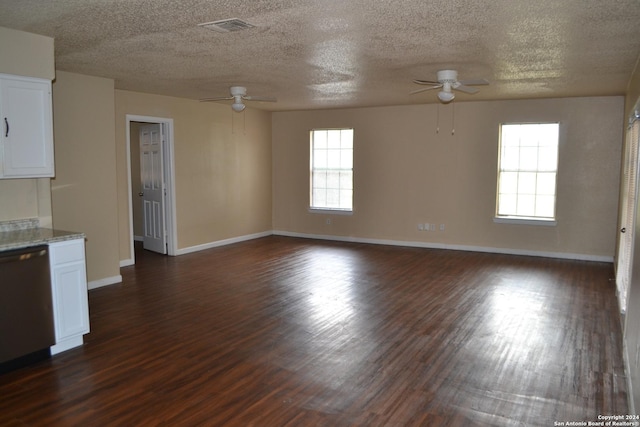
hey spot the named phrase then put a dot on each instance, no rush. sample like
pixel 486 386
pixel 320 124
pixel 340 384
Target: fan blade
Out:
pixel 427 82
pixel 474 82
pixel 260 98
pixel 220 98
pixel 466 89
pixel 425 89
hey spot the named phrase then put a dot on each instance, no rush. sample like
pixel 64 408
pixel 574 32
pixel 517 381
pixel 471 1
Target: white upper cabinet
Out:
pixel 26 149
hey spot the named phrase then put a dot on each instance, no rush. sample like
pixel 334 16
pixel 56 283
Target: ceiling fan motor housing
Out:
pixel 447 76
pixel 238 91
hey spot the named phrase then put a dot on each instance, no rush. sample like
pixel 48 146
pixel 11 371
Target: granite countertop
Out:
pixel 25 233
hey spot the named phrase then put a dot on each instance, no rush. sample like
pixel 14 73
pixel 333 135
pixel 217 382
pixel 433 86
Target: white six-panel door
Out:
pixel 152 176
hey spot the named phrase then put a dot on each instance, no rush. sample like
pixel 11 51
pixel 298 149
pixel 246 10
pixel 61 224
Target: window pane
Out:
pixel 546 184
pixel 509 182
pixel 346 180
pixel 510 158
pixel 346 137
pixel 527 183
pixel 545 206
pixel 528 137
pixel 333 159
pixel 526 205
pixel 319 197
pixel 507 204
pixel 548 134
pixel 510 135
pixel 548 160
pixel 333 198
pixel 528 158
pixel 346 197
pixel 333 138
pixel 346 159
pixel 333 179
pixel 319 179
pixel 320 139
pixel 320 159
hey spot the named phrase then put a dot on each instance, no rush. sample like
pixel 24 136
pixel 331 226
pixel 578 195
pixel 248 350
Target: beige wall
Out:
pixel 222 168
pixel 406 173
pixel 26 54
pixel 29 55
pixel 84 195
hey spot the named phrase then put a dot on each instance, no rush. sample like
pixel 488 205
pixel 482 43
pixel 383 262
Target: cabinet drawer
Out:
pixel 64 252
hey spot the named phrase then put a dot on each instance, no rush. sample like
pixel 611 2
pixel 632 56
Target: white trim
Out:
pixel 525 221
pixel 138 238
pixel 66 344
pixel 429 245
pixel 222 242
pixel 127 262
pixel 129 193
pixel 327 211
pixel 104 282
pixel 170 208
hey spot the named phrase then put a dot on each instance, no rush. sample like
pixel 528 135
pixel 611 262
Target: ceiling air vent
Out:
pixel 227 25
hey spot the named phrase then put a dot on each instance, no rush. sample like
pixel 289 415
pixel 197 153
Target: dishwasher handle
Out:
pixel 23 255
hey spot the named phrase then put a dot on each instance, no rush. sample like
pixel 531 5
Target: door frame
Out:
pixel 169 180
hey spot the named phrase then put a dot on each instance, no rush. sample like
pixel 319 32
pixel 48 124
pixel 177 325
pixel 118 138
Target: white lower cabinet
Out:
pixel 69 293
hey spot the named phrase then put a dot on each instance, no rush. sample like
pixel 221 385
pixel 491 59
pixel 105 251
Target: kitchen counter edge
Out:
pixel 19 239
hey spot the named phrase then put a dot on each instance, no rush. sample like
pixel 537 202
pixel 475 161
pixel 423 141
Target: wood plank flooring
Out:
pixel 281 331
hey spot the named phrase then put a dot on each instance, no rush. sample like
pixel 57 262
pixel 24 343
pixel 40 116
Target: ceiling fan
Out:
pixel 239 94
pixel 448 80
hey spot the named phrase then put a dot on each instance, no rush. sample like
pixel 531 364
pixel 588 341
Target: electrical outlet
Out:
pixel 328 221
pixel 420 227
pixel 441 227
pixel 432 227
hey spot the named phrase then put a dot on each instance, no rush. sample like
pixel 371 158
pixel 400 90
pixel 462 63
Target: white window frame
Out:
pixel 319 207
pixel 527 219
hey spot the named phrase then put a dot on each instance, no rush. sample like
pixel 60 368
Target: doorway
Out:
pixel 167 213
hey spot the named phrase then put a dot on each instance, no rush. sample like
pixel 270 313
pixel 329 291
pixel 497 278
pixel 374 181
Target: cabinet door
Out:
pixel 27 127
pixel 69 291
pixel 71 312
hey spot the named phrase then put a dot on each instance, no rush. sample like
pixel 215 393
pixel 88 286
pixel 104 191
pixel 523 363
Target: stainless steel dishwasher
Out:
pixel 26 311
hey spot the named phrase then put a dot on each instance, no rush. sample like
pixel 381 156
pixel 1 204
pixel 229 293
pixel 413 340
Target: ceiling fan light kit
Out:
pixel 445 96
pixel 238 107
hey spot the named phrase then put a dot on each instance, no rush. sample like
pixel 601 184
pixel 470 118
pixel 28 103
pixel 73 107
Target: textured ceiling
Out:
pixel 342 53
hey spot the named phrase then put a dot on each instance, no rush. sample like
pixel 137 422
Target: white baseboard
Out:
pixel 429 245
pixel 104 282
pixel 222 243
pixel 127 262
pixel 138 238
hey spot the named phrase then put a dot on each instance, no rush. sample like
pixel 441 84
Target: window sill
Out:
pixel 525 221
pixel 326 211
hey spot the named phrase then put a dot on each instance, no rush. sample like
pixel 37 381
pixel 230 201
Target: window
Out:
pixel 527 170
pixel 332 169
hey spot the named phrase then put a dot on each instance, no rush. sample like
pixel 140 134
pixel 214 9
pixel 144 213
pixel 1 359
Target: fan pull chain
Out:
pixel 453 119
pixel 438 118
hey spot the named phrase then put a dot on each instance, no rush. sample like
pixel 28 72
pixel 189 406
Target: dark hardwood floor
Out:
pixel 290 332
